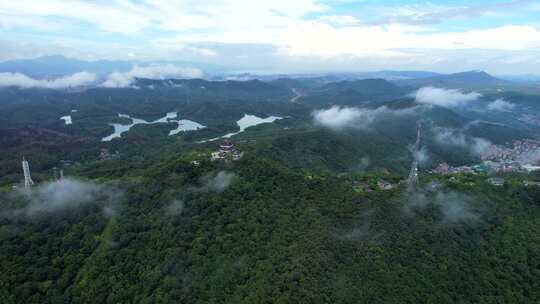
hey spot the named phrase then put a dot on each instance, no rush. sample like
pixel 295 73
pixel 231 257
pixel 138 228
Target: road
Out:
pixel 296 96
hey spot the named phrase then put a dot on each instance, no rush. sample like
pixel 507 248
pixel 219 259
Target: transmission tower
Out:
pixel 28 182
pixel 413 174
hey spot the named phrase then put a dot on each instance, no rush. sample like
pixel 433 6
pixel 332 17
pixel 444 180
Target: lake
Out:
pixel 246 122
pixel 170 117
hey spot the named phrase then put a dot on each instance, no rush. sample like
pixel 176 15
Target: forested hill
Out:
pixel 312 205
pixel 258 231
pixel 471 79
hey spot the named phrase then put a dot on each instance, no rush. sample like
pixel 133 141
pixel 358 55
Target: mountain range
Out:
pixel 58 65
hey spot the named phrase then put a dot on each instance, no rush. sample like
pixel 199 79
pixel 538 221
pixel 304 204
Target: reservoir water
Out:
pixel 246 122
pixel 171 117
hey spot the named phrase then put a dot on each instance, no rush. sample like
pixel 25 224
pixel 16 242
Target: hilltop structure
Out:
pixel 227 152
pixel 384 185
pixel 105 154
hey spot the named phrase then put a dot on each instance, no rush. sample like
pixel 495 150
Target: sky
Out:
pixel 282 36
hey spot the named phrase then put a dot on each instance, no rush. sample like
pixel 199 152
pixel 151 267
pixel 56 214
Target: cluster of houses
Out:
pixel 485 167
pixel 105 154
pixel 517 150
pixel 499 181
pixel 382 185
pixel 446 169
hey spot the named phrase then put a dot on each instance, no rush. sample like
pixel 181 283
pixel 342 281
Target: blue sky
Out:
pixel 502 37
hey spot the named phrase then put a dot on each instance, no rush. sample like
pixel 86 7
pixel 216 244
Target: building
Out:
pixel 531 183
pixel 443 169
pixel 104 154
pixel 227 152
pixel 496 181
pixel 446 169
pixel 481 168
pixel 462 169
pixel 511 167
pixel 384 185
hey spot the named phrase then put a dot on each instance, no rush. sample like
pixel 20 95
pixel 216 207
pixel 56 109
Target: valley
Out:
pixel 311 197
pixel 269 152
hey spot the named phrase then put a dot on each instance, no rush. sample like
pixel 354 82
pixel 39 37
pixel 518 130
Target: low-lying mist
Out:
pixel 56 196
pixel 454 207
pixel 457 138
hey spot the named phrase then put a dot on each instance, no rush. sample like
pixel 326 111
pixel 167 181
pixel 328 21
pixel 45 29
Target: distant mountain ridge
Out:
pixel 470 79
pixel 58 65
pixel 323 78
pixel 360 92
pixel 399 75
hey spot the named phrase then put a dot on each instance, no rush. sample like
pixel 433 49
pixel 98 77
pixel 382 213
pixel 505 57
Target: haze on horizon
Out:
pixel 280 36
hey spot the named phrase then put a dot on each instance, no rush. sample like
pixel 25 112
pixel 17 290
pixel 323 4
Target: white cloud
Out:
pixel 323 39
pixel 178 46
pixel 501 105
pixel 23 81
pixel 60 195
pixel 124 80
pixel 421 156
pixel 299 29
pixel 122 16
pixel 175 208
pixel 114 18
pixel 341 20
pixel 480 146
pixel 430 13
pixel 218 183
pixel 454 206
pixel 447 136
pixel 279 22
pixel 338 117
pixel 444 97
pixel 456 138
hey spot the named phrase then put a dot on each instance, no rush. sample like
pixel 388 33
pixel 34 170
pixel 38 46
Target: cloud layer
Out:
pixel 445 97
pixel 354 34
pixel 124 80
pixel 23 81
